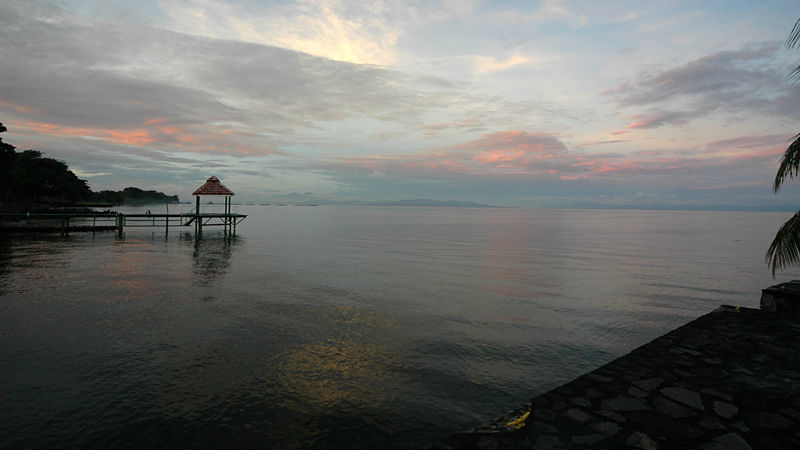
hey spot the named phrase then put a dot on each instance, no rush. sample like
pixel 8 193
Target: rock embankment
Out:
pixel 727 380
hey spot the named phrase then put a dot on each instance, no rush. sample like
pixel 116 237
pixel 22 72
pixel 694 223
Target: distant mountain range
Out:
pixel 309 198
pixel 428 202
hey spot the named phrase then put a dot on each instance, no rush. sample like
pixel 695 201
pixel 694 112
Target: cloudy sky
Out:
pixel 521 103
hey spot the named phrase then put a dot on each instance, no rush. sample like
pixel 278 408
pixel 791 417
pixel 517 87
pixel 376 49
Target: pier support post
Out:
pixel 120 223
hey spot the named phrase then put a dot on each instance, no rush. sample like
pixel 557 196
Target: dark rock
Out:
pixel 670 408
pixel 741 426
pixel 791 412
pixel 597 378
pixel 712 423
pixel 725 409
pixel 541 427
pixel 716 393
pixel 685 396
pixel 578 415
pixel 588 440
pixel 544 414
pixel 733 381
pixel 487 443
pixel 607 428
pixel 648 384
pixel 636 392
pixel 683 350
pixel 548 442
pixel 594 393
pixel 625 403
pixel 685 373
pixel 730 441
pixel 581 401
pixel 767 420
pixel 615 416
pixel 559 405
pixel 762 359
pixel 641 440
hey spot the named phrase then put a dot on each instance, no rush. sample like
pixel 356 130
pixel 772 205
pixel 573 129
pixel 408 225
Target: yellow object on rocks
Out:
pixel 519 422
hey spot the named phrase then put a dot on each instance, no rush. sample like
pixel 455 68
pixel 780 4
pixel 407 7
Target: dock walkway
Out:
pixel 727 380
pixel 116 221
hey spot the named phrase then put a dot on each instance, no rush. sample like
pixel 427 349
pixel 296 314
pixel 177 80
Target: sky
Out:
pixel 551 103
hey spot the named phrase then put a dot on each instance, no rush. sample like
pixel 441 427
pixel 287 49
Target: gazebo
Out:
pixel 213 186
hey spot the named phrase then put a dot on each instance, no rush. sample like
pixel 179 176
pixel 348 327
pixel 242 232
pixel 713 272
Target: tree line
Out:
pixel 29 179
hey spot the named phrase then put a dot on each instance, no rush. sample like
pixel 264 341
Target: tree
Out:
pixel 27 177
pixel 785 248
pixel 7 156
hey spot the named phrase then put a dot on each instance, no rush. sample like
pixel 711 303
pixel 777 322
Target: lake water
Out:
pixel 358 327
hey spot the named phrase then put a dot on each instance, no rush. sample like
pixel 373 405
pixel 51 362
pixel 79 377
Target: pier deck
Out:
pixel 114 221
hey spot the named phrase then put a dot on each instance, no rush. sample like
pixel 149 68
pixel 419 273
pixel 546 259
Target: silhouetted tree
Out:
pixel 7 155
pixel 785 248
pixel 28 177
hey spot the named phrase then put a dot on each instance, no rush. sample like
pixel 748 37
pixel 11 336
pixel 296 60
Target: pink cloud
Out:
pixel 157 133
pixel 540 154
pixel 129 137
pixel 514 149
pixel 20 108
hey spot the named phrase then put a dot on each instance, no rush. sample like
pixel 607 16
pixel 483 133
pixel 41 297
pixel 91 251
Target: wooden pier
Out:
pixel 112 220
pixel 65 223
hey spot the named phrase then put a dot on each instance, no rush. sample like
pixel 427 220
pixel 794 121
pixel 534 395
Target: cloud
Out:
pixel 324 28
pixel 730 83
pixel 656 118
pixel 546 156
pixel 605 142
pixel 111 81
pixel 488 64
pixel 549 10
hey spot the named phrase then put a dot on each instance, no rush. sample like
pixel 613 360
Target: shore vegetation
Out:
pixel 31 181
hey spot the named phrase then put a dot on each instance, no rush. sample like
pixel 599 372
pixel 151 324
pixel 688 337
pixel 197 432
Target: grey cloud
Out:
pixel 70 73
pixel 65 69
pixel 116 75
pixel 744 81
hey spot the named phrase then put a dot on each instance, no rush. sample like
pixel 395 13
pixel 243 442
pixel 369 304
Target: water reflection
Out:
pixel 211 258
pixel 25 259
pixel 5 265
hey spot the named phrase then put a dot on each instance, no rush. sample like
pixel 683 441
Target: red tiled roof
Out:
pixel 213 187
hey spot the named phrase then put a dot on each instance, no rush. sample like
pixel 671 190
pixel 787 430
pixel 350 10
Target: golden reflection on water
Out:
pixel 346 369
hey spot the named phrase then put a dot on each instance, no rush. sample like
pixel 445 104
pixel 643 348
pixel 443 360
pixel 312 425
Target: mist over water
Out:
pixel 359 327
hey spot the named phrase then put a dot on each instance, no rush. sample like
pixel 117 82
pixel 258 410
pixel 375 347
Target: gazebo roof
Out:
pixel 213 187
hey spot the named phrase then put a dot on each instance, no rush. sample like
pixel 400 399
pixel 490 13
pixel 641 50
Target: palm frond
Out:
pixel 792 41
pixel 785 248
pixel 790 163
pixel 794 37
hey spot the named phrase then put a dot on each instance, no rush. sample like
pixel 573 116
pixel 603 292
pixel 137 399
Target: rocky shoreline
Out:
pixel 727 380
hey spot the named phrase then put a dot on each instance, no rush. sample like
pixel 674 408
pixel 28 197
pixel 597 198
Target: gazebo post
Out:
pixel 225 219
pixel 197 219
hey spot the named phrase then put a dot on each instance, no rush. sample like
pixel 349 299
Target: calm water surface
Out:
pixel 359 327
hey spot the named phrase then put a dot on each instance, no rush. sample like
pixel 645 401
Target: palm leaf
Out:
pixel 785 248
pixel 792 41
pixel 790 163
pixel 794 36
